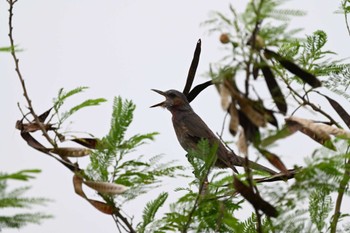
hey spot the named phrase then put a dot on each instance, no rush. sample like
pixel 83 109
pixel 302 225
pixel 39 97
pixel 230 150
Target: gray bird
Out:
pixel 190 129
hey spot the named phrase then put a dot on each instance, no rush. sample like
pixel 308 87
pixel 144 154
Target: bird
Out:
pixel 190 129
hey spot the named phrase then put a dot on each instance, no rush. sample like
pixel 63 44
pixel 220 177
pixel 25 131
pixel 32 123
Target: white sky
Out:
pixel 118 48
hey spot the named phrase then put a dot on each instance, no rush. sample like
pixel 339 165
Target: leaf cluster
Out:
pixel 261 48
pixel 63 96
pixel 15 199
pixel 207 204
pixel 315 186
pixel 114 172
pixel 112 161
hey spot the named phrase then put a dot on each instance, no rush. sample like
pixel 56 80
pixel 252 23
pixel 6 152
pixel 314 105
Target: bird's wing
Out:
pixel 197 129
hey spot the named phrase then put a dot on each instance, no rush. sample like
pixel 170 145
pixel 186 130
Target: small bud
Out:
pixel 235 44
pixel 224 38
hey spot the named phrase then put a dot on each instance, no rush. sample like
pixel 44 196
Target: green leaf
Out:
pixel 21 220
pixel 86 103
pixel 202 158
pixel 21 175
pixel 9 49
pixel 280 134
pixel 62 96
pixel 122 116
pixel 320 205
pixel 138 140
pixel 16 200
pixel 150 211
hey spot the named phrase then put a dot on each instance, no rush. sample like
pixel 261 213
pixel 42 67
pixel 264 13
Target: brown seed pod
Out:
pixel 224 38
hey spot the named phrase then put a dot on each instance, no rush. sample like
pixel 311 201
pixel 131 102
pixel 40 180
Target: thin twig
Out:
pixel 248 172
pixel 341 190
pixel 117 215
pixel 347 23
pixel 223 124
pixel 249 176
pixel 344 2
pixel 128 225
pixel 19 74
pixel 116 222
pixel 201 188
pixel 304 102
pixel 184 230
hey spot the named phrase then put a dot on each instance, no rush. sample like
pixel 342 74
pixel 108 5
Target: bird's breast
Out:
pixel 182 133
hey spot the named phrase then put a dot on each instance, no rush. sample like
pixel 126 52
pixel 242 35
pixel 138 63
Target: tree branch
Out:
pixel 32 142
pixel 117 215
pixel 341 190
pixel 346 15
pixel 19 74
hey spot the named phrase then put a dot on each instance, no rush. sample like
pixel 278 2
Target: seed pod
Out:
pixel 105 187
pixel 224 38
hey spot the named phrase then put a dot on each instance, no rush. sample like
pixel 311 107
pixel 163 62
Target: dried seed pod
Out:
pixel 225 97
pixel 71 151
pixel 234 120
pixel 242 143
pixel 105 187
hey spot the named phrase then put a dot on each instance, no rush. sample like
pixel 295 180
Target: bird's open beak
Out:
pixel 162 103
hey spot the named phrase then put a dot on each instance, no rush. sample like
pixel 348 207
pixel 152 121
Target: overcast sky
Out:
pixel 118 48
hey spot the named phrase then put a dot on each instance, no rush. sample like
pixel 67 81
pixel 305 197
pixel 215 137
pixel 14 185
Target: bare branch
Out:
pixel 341 190
pixel 19 74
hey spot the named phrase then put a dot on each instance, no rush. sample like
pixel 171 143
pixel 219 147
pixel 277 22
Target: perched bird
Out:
pixel 190 129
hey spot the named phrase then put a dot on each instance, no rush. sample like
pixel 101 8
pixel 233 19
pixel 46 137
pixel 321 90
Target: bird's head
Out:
pixel 173 100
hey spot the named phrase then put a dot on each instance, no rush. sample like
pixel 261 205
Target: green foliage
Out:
pixel 121 118
pixel 210 210
pixel 150 211
pixel 211 206
pixel 314 186
pixel 207 204
pixel 14 199
pixel 202 159
pixel 112 161
pixel 249 36
pixel 345 10
pixel 23 175
pixel 309 53
pixel 249 225
pixel 9 49
pixel 268 10
pixel 240 26
pixel 320 205
pixel 63 96
pixel 312 56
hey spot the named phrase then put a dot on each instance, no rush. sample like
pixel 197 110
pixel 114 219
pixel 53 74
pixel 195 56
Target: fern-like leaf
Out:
pixel 86 103
pixel 320 205
pixel 122 116
pixel 62 96
pixel 150 211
